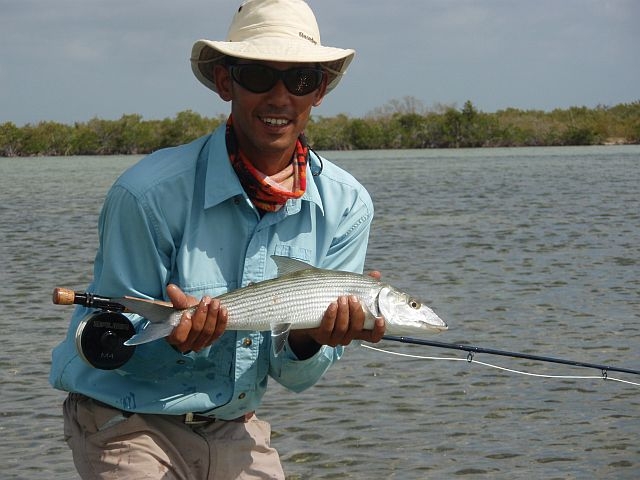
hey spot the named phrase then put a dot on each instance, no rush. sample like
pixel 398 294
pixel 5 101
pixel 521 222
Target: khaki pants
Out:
pixel 107 445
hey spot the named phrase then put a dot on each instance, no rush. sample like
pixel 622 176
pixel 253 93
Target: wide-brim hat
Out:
pixel 271 30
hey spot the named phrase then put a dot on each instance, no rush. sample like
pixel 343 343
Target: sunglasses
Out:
pixel 258 78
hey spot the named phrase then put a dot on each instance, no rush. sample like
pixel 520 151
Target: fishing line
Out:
pixel 471 349
pixel 470 359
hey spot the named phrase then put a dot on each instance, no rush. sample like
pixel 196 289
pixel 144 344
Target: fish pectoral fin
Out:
pixel 152 331
pixel 369 317
pixel 279 335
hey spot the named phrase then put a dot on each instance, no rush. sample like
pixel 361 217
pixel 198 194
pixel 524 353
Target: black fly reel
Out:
pixel 100 339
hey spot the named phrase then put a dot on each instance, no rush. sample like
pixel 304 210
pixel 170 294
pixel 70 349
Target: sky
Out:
pixel 72 60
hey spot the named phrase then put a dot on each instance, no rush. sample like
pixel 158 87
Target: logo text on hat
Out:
pixel 307 37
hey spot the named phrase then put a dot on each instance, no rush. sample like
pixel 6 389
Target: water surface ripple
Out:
pixel 532 250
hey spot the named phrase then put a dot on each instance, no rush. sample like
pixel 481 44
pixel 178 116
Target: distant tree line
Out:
pixel 128 135
pixel 403 123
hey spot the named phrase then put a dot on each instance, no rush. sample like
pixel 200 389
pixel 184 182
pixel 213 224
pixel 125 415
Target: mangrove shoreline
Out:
pixel 401 124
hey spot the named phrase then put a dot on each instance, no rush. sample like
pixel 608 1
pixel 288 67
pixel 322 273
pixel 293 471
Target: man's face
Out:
pixel 267 124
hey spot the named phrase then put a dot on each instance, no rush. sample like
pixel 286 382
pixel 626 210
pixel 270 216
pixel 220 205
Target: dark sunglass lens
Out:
pixel 255 78
pixel 302 81
pixel 261 79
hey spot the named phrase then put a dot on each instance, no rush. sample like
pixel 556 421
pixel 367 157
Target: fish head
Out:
pixel 406 315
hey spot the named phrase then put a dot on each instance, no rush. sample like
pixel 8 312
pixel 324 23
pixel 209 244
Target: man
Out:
pixel 198 220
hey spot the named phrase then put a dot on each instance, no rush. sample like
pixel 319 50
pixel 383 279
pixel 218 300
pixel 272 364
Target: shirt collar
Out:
pixel 312 194
pixel 222 182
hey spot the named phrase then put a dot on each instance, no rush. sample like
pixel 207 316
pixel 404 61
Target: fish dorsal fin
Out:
pixel 279 335
pixel 287 265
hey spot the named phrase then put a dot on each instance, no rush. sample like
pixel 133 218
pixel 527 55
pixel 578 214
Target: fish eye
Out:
pixel 414 304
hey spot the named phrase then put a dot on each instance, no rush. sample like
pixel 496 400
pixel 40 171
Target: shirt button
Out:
pixel 242 395
pixel 247 342
pixel 181 362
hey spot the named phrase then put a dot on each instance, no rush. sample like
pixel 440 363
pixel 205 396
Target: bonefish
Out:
pixel 296 299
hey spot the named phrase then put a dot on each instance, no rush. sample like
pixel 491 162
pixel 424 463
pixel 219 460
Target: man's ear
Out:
pixel 223 80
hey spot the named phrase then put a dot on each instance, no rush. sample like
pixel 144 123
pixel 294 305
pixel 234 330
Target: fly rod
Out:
pixel 471 349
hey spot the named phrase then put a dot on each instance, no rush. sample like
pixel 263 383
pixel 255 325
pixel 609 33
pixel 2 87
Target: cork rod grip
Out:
pixel 63 296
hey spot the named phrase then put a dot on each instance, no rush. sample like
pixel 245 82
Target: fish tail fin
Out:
pixel 161 319
pixel 151 332
pixel 151 310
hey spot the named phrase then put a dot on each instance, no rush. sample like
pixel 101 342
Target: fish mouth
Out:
pixel 431 320
pixel 440 327
pixel 435 324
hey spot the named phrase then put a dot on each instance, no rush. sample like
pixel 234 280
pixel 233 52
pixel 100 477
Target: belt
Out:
pixel 197 419
pixel 188 418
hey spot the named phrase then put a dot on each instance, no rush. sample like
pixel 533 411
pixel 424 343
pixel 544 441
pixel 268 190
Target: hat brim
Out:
pixel 206 53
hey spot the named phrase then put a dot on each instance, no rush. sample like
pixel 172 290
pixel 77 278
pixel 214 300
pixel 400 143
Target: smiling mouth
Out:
pixel 274 122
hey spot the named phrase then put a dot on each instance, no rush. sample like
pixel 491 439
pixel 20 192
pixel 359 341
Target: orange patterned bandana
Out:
pixel 269 192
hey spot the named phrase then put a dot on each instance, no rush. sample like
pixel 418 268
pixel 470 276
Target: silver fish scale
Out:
pixel 300 298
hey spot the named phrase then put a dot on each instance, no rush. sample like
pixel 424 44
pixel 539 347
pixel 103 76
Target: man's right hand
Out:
pixel 200 329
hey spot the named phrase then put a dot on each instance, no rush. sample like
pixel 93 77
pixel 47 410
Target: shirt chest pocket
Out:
pixel 293 251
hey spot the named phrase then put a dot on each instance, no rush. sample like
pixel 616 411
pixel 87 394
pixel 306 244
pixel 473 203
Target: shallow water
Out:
pixel 530 250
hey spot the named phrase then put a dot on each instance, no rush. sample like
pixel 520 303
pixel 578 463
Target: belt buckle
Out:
pixel 189 419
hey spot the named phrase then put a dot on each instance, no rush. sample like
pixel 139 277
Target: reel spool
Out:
pixel 100 340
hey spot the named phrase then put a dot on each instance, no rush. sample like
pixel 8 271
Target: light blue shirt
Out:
pixel 181 216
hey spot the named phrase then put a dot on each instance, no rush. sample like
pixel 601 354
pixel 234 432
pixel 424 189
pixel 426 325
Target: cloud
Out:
pixel 69 60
